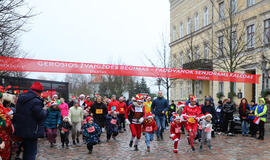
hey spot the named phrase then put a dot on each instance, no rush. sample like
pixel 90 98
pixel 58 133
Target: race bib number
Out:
pixel 207 130
pixel 91 129
pixel 64 129
pixel 218 110
pixel 138 109
pixel 113 108
pixel 149 129
pixel 113 121
pixel 200 127
pixel 99 111
pixel 122 109
pixel 177 130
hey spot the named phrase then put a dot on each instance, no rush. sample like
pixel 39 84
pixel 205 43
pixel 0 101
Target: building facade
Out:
pixel 220 35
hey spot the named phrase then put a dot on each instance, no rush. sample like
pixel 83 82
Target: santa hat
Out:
pixel 121 98
pixel 88 118
pixel 177 117
pixel 73 97
pixel 201 116
pixel 66 117
pixel 149 115
pixel 208 115
pixel 87 96
pixel 139 98
pixel 108 100
pixel 54 96
pixel 37 86
pixel 82 95
pixel 148 98
pixel 54 104
pixel 193 98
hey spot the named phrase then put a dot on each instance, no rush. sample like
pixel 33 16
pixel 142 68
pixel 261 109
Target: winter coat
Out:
pixel 261 110
pixel 99 111
pixel 113 105
pixel 219 112
pixel 172 108
pixel 149 126
pixel 53 118
pixel 64 109
pixel 112 124
pixel 206 125
pixel 29 118
pixel 158 105
pixel 65 126
pixel 209 109
pixel 243 113
pixel 91 133
pixel 252 114
pixel 122 107
pixel 229 108
pixel 147 107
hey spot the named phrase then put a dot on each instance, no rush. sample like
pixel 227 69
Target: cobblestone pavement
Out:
pixel 224 148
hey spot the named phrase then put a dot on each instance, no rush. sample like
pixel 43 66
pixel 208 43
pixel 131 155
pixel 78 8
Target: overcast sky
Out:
pixel 95 31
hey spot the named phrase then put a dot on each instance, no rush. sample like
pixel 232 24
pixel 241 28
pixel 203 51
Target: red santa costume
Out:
pixel 87 103
pixel 134 118
pixel 81 100
pixel 191 113
pixel 176 131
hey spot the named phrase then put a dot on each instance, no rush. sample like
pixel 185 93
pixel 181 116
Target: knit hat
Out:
pixel 66 117
pixel 219 102
pixel 37 86
pixel 88 118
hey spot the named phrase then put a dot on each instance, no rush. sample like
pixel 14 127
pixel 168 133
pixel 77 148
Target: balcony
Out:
pixel 200 64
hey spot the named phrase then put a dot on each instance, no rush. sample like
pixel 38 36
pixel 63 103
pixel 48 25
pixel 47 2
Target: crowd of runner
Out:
pixel 28 117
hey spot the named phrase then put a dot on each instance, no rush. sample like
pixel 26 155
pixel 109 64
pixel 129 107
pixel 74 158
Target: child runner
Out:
pixel 112 124
pixel 134 118
pixel 176 131
pixel 91 132
pixel 65 127
pixel 149 128
pixel 206 130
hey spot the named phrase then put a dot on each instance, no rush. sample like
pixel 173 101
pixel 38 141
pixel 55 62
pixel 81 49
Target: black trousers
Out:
pixel 110 134
pixel 253 128
pixel 122 121
pixel 64 138
pixel 261 129
pixel 228 118
pixel 90 146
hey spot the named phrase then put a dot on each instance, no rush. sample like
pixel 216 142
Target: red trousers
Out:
pixel 176 139
pixel 136 130
pixel 192 130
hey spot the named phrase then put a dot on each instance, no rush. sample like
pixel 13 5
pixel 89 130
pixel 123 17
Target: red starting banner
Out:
pixel 34 65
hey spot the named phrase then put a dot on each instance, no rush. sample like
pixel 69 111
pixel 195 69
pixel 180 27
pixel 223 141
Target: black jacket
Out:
pixel 210 109
pixel 65 125
pixel 29 118
pixel 243 113
pixel 100 119
pixel 229 108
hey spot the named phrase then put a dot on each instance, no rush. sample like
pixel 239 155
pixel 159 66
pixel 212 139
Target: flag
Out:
pixel 256 120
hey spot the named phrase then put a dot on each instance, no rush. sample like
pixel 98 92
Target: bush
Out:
pixel 265 92
pixel 220 95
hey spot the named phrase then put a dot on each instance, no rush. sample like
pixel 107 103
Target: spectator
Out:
pixel 261 111
pixel 158 108
pixel 243 112
pixel 76 117
pixel 228 109
pixel 52 121
pixel 63 108
pixel 251 117
pixel 70 104
pixel 219 116
pixel 29 120
pixel 208 107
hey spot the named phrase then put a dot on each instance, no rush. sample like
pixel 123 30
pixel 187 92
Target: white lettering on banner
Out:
pixel 57 64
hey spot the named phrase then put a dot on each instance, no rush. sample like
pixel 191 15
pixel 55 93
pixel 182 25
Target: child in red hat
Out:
pixel 176 131
pixel 149 128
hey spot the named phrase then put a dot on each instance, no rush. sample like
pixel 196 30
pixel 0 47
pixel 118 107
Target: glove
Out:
pixel 172 135
pixel 2 145
pixel 141 120
pixel 127 122
pixel 62 132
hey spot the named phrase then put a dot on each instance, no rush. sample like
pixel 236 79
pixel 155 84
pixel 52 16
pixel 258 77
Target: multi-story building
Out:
pixel 219 35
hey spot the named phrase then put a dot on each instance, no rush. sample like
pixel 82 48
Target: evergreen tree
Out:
pixel 143 87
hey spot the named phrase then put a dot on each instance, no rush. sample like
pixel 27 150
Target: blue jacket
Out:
pixel 112 128
pixel 29 118
pixel 53 118
pixel 158 105
pixel 252 116
pixel 91 137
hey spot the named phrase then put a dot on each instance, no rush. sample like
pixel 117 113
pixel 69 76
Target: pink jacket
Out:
pixel 64 109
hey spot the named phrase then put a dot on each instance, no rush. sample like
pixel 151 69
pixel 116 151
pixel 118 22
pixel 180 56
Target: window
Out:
pixel 267 31
pixel 234 87
pixel 234 6
pixel 205 16
pixel 221 87
pixel 220 45
pixel 188 56
pixel 234 41
pixel 250 36
pixel 181 95
pixel 206 51
pixel 250 2
pixel 196 21
pixel 181 30
pixel 181 58
pixel 174 33
pixel 189 87
pixel 197 53
pixel 221 10
pixel 198 88
pixel 188 26
pixel 174 61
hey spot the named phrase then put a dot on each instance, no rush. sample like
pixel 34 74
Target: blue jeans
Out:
pixel 30 149
pixel 160 120
pixel 148 138
pixel 245 127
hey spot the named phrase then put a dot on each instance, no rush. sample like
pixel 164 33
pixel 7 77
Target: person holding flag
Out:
pixel 260 113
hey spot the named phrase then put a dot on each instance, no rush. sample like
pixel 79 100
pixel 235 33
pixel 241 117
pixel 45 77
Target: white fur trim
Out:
pixel 172 135
pixel 176 140
pixel 127 122
pixel 141 120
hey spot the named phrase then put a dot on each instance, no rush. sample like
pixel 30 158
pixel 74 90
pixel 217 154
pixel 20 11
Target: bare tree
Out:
pixel 13 17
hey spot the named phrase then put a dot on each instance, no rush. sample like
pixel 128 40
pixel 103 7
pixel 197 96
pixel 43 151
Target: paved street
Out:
pixel 224 148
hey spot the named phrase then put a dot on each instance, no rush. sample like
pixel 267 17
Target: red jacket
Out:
pixel 192 111
pixel 176 127
pixel 88 103
pixel 149 127
pixel 122 107
pixel 114 103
